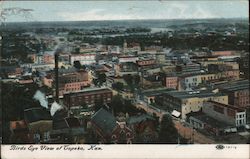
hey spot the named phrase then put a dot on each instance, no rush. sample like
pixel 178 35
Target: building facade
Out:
pixel 225 113
pixel 88 96
pixel 238 92
pixel 191 101
pixel 84 59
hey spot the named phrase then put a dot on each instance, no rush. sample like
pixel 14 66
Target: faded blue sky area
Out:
pixel 121 10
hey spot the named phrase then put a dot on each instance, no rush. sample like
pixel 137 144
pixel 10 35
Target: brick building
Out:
pixel 47 80
pixel 88 96
pixel 225 113
pixel 237 91
pixel 108 130
pixel 191 101
pixel 71 80
pixel 188 68
pixel 145 62
pixel 84 59
pixel 171 82
pixel 47 58
pixel 222 53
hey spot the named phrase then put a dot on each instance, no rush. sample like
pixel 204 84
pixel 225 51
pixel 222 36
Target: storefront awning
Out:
pixel 176 113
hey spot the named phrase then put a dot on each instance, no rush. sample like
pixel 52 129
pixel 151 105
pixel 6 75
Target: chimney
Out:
pixel 56 76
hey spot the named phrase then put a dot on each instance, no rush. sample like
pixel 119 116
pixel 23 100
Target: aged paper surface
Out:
pixel 187 60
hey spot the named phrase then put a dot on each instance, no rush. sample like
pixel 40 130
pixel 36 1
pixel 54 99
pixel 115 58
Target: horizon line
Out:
pixel 128 20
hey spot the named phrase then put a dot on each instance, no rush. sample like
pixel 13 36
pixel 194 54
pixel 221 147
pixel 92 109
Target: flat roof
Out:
pixel 235 85
pixel 207 119
pixel 89 90
pixel 192 94
pixel 156 91
pixel 226 105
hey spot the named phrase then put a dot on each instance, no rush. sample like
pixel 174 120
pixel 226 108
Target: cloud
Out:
pixel 180 10
pixel 95 14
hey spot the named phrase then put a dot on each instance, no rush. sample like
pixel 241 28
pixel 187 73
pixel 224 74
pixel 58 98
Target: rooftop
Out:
pixel 139 118
pixel 235 85
pixel 105 121
pixel 226 105
pixel 36 114
pixel 69 70
pixel 209 120
pixel 71 131
pixel 67 122
pixel 193 94
pixel 154 92
pixel 15 125
pixel 89 90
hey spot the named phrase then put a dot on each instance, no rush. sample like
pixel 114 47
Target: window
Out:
pixel 240 122
pixel 219 109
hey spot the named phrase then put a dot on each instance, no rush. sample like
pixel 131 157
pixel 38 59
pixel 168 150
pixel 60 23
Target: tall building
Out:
pixel 88 96
pixel 191 101
pixel 71 80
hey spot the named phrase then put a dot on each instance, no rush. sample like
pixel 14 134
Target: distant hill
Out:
pixel 119 23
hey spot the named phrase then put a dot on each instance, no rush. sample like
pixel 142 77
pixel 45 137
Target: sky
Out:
pixel 123 10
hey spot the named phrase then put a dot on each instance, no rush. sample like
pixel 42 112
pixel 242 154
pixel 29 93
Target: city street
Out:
pixel 191 134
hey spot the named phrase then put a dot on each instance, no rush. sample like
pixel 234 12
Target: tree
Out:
pixel 77 50
pixel 15 100
pixel 101 77
pixel 132 81
pixel 95 81
pixel 128 79
pixel 83 67
pixel 117 104
pixel 168 133
pixel 77 64
pixel 137 80
pixel 118 86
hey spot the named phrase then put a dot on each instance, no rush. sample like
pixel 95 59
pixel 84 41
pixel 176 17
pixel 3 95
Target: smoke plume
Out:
pixel 54 108
pixel 39 96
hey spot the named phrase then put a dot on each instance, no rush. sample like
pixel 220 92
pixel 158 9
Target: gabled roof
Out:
pixel 139 118
pixel 72 122
pixel 61 121
pixel 105 121
pixel 36 114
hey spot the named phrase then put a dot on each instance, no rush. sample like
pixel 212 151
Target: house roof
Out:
pixel 21 124
pixel 71 131
pixel 105 121
pixel 139 118
pixel 69 70
pixel 72 122
pixel 61 121
pixel 36 114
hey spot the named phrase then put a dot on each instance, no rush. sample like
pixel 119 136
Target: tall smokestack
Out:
pixel 56 76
